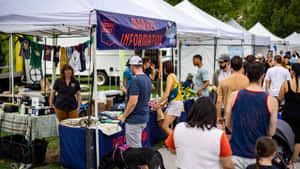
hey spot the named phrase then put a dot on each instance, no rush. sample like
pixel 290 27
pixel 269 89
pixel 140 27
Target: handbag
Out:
pixel 173 94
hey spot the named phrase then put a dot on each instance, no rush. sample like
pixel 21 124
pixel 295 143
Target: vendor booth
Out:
pixel 134 29
pixel 294 41
pixel 227 39
pixel 277 44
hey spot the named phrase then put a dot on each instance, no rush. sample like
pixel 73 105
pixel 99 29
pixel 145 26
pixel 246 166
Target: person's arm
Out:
pixel 225 153
pixel 215 81
pixel 283 90
pixel 206 82
pixel 51 99
pixel 228 111
pixel 168 90
pixel 170 142
pixel 273 108
pixel 219 102
pixel 130 107
pixel 267 86
pixel 125 82
pixel 152 74
pixel 78 100
pixel 204 86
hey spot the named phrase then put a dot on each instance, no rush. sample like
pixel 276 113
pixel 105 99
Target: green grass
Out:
pixel 52 159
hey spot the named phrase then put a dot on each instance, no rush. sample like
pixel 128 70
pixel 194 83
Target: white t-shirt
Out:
pixel 277 75
pixel 199 149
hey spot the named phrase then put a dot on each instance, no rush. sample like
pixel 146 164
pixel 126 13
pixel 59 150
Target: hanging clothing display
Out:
pixel 75 61
pixel 25 48
pixel 82 57
pixel 36 55
pixel 47 52
pixel 63 57
pixel 56 55
pixel 69 52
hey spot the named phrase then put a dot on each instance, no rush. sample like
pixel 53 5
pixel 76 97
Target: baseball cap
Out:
pixel 190 75
pixel 135 60
pixel 259 56
pixel 223 58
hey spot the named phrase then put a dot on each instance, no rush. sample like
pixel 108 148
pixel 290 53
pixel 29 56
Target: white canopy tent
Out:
pixel 252 44
pixel 294 41
pixel 260 30
pixel 209 49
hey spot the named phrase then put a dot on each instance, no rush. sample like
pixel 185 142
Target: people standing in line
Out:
pixel 136 114
pixel 188 83
pixel 275 77
pixel 248 60
pixel 67 87
pixel 290 92
pixel 220 74
pixel 173 96
pixel 197 142
pixel 236 81
pixel 149 68
pixel 251 113
pixel 268 62
pixel 265 149
pixel 201 77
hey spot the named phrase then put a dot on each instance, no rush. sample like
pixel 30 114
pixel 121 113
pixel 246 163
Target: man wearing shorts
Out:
pixel 137 109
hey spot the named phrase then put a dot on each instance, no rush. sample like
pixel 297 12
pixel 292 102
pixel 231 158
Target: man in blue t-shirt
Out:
pixel 137 109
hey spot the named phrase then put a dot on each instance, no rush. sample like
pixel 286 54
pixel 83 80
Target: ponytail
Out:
pixel 257 161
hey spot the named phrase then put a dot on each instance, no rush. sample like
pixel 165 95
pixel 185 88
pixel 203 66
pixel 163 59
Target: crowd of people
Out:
pixel 232 130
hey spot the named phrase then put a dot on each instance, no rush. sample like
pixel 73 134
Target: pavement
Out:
pixel 170 159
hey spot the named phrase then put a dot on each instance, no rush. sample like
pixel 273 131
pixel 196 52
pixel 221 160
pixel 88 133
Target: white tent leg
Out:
pixel 11 62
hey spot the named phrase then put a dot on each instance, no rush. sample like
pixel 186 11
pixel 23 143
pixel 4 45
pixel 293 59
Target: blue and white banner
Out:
pixel 119 31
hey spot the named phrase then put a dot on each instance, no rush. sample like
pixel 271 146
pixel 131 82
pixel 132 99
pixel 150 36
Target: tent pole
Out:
pixel 215 52
pixel 179 57
pixel 11 54
pixel 45 70
pixel 253 44
pixel 54 43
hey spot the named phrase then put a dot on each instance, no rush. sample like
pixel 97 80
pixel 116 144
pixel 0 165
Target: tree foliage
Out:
pixel 281 17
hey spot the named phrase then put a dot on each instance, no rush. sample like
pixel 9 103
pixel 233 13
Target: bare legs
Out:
pixel 165 123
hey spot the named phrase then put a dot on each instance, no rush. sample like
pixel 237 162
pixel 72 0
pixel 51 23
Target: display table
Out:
pixel 31 126
pixel 73 149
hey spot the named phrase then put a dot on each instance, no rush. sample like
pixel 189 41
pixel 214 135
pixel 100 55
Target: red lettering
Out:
pixel 140 39
pixel 130 39
pixel 126 38
pixel 135 40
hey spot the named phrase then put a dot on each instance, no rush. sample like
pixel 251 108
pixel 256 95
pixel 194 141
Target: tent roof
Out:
pixel 259 29
pixel 293 39
pixel 186 25
pixel 259 40
pixel 72 16
pixel 224 30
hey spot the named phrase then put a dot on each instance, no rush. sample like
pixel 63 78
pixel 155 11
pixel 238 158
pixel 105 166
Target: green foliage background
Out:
pixel 281 17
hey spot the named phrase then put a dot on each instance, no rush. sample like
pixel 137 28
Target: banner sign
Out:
pixel 119 31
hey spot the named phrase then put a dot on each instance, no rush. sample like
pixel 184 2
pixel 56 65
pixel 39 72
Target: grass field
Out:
pixel 52 156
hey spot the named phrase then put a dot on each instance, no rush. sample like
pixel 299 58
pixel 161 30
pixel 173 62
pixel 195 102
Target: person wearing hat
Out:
pixel 287 62
pixel 136 114
pixel 188 82
pixel 223 72
pixel 259 58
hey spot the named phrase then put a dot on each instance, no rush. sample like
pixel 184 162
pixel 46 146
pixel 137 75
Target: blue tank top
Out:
pixel 250 121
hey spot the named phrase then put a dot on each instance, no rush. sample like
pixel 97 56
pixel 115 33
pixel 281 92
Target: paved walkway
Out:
pixel 170 159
